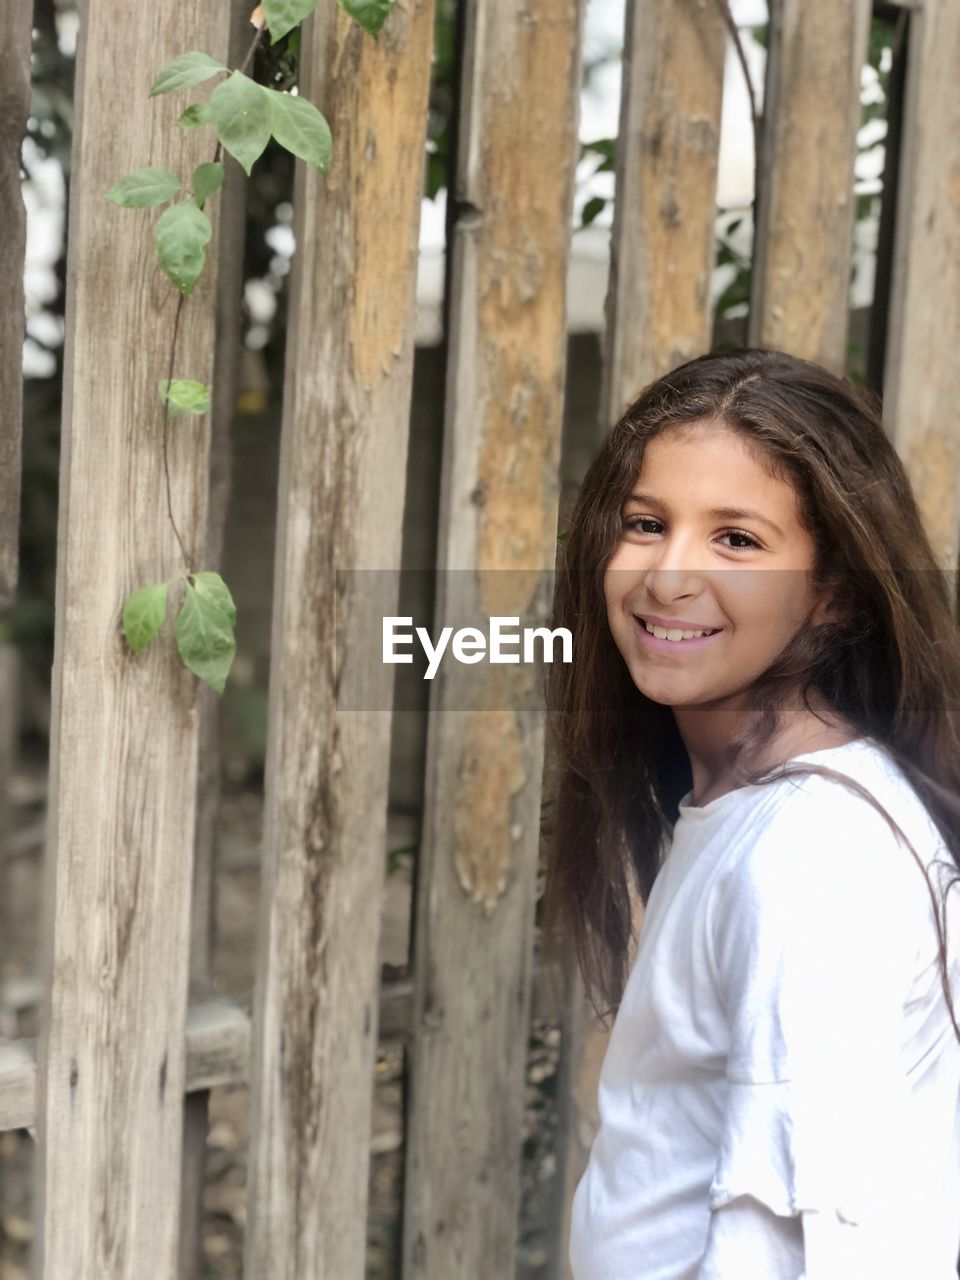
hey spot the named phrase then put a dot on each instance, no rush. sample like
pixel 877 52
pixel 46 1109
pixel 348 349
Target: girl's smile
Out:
pixel 678 641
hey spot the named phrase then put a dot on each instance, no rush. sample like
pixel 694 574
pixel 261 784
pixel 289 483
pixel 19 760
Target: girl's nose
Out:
pixel 672 584
pixel 676 559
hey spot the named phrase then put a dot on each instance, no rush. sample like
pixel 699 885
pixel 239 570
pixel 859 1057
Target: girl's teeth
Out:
pixel 663 634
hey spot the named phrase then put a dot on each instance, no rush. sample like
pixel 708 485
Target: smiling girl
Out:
pixel 759 736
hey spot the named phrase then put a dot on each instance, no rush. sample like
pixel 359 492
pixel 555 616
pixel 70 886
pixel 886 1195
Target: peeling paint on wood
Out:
pixel 497 544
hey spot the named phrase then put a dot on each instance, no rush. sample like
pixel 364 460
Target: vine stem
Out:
pixel 724 7
pixel 173 345
pixel 166 427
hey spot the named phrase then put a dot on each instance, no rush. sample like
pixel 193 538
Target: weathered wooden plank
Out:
pixel 124 727
pixel 476 879
pixel 229 342
pixel 218 1047
pixel 18 1084
pixel 662 246
pixel 15 19
pixel 343 457
pixel 801 272
pixel 584 1047
pixel 658 314
pixel 922 376
pixel 218 1044
pixel 10 676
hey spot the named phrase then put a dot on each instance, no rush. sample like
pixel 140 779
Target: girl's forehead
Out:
pixel 701 448
pixel 713 465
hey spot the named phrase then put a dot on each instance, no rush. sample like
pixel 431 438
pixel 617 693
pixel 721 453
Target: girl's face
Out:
pixel 709 540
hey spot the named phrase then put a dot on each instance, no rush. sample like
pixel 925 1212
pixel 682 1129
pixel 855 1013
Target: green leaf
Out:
pixel 180 234
pixel 199 113
pixel 594 206
pixel 185 71
pixel 603 147
pixel 206 181
pixel 299 126
pixel 241 114
pixel 144 187
pixel 204 634
pixel 370 14
pixel 213 586
pixel 143 615
pixel 185 396
pixel 283 15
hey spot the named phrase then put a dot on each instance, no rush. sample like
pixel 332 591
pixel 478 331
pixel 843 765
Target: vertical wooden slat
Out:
pixel 11 673
pixel 801 272
pixel 15 21
pixel 229 340
pixel 344 444
pixel 476 876
pixel 123 726
pixel 658 314
pixel 662 245
pixel 922 378
pixel 584 1046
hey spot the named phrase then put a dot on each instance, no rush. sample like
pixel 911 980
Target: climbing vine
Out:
pixel 244 115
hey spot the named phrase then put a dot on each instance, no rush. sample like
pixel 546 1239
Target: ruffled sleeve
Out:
pixel 816 932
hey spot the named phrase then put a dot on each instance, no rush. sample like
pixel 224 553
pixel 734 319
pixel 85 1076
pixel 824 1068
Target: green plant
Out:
pixel 244 116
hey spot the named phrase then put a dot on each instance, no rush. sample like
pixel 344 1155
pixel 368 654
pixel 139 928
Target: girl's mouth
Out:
pixel 671 641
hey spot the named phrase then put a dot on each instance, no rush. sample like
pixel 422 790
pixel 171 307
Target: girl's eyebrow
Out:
pixel 717 513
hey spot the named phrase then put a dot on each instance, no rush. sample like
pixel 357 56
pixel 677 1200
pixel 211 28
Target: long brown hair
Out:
pixel 887 659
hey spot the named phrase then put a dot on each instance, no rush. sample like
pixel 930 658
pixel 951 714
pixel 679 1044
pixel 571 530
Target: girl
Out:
pixel 748 584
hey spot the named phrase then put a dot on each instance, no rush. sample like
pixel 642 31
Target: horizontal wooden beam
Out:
pixel 218 1043
pixel 218 1046
pixel 18 1084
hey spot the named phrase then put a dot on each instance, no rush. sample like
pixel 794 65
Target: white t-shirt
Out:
pixel 779 1095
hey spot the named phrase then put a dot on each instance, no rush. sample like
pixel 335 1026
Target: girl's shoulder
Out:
pixel 821 877
pixel 836 826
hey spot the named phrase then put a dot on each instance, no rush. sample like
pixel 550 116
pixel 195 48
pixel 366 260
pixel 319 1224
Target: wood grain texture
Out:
pixel 227 353
pixel 662 245
pixel 218 1044
pixel 124 726
pixel 473 943
pixel 218 1047
pixel 13 906
pixel 801 275
pixel 658 315
pixel 922 376
pixel 342 466
pixel 18 1084
pixel 15 20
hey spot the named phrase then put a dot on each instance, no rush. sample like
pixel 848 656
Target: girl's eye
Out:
pixel 634 522
pixel 752 543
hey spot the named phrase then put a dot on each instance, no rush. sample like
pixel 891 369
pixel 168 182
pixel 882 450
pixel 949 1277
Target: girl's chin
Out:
pixel 670 691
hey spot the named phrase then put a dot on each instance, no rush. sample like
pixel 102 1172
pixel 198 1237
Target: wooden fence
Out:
pixel 132 1037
